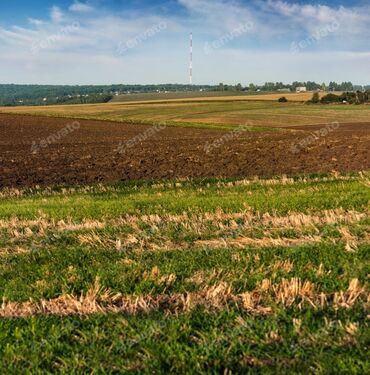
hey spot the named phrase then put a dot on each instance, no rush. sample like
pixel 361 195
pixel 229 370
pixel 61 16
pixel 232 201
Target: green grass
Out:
pixel 199 342
pixel 59 241
pixel 191 196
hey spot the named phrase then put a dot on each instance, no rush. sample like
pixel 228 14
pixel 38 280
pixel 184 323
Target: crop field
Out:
pixel 210 96
pixel 224 114
pixel 185 237
pixel 259 275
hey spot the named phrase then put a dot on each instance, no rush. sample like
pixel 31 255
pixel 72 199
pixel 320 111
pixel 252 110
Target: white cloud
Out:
pixel 80 7
pixel 56 14
pixel 354 20
pixel 35 22
pixel 219 16
pixel 87 54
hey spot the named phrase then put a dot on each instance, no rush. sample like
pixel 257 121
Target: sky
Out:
pixel 142 42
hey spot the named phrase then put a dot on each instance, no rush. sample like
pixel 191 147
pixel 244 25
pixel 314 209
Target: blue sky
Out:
pixel 133 41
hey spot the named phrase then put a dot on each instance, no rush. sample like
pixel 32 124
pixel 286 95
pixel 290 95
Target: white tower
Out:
pixel 191 59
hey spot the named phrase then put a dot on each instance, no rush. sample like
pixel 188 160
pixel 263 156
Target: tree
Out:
pixel 330 98
pixel 283 99
pixel 333 86
pixel 238 87
pixel 252 87
pixel 315 98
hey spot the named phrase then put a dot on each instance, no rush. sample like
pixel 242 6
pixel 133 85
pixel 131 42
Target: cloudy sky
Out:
pixel 140 41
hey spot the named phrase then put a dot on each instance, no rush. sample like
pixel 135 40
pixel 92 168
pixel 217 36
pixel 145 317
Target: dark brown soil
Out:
pixel 91 154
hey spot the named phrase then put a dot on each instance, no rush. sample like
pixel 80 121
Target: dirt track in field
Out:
pixel 92 154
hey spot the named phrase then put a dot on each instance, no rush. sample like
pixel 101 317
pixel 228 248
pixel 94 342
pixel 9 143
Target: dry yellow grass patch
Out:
pixel 198 278
pixel 224 227
pixel 257 242
pixel 98 300
pixel 202 277
pixel 285 180
pixel 352 328
pixel 155 276
pixel 294 219
pixel 282 265
pixel 42 224
pixel 93 239
pixel 224 222
pixel 351 295
pixel 287 293
pixel 46 191
pixel 252 302
pixel 16 250
pixel 297 220
pixel 349 239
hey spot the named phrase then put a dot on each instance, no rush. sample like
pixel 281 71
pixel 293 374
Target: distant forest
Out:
pixel 17 95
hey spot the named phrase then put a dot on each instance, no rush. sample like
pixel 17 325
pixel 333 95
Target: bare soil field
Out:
pixel 102 151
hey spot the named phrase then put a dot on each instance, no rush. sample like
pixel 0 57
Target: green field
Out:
pixel 227 113
pixel 213 276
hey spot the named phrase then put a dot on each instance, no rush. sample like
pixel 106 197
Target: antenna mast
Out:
pixel 191 59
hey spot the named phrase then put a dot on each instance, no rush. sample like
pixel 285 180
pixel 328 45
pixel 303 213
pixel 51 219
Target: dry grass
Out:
pixel 257 242
pixel 44 224
pixel 287 293
pixel 250 219
pixel 195 222
pixel 152 232
pixel 14 250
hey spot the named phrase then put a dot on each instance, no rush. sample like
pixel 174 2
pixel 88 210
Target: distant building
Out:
pixel 301 89
pixel 287 89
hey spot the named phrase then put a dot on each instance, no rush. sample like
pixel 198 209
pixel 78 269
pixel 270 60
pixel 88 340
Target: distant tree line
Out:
pixel 12 95
pixel 280 86
pixel 17 95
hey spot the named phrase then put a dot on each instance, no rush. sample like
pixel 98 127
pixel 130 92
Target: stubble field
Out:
pixel 132 246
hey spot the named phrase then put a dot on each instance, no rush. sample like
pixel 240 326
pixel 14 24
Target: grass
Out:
pixel 209 114
pixel 194 276
pixel 189 196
